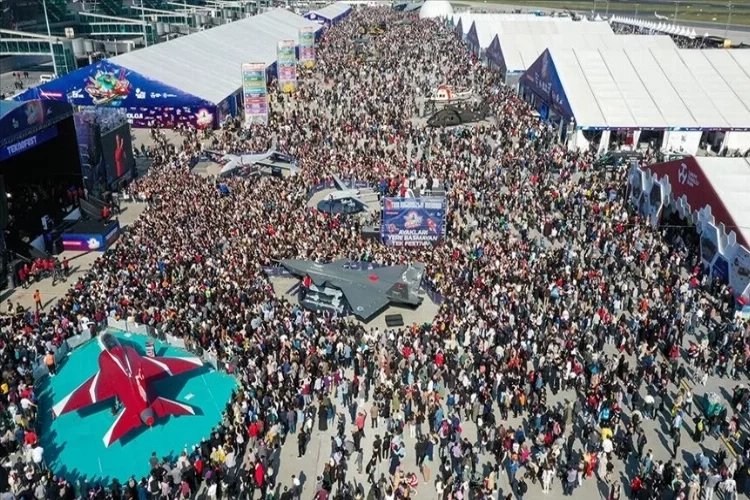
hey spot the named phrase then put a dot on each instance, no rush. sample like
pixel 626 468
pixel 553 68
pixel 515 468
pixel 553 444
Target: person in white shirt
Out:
pixel 37 456
pixel 547 476
pixel 729 487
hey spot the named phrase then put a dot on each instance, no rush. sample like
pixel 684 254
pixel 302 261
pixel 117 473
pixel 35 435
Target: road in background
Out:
pixel 738 33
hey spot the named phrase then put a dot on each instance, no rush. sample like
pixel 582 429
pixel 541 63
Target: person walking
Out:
pixel 49 361
pixel 712 480
pixel 676 443
pixel 374 411
pixel 729 488
pixel 547 476
pixel 301 442
pixel 38 300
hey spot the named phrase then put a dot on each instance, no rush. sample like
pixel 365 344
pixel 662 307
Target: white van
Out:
pixel 46 78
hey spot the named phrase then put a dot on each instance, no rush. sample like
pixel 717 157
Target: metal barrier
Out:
pixel 40 370
pixel 158 333
pixel 134 328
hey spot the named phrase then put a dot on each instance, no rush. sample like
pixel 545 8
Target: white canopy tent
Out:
pixel 487 28
pixel 661 27
pixel 621 87
pixel 682 92
pixel 520 51
pixel 207 64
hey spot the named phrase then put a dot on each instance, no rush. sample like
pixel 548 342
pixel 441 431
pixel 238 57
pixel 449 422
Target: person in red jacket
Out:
pixel 260 478
pixel 22 277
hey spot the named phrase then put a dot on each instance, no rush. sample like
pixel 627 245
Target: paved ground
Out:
pixel 319 449
pixel 80 263
pixel 7 82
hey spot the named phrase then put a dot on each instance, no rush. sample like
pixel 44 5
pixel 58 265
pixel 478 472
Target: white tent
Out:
pixel 207 64
pixel 436 9
pixel 520 51
pixel 659 88
pixel 487 28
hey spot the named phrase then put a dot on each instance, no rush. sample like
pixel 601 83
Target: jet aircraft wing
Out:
pixel 124 423
pixel 93 390
pixel 161 366
pixel 363 302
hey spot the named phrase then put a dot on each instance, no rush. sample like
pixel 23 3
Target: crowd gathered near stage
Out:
pixel 570 326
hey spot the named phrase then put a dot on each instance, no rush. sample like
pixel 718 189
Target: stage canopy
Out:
pixel 331 14
pixel 644 88
pixel 188 80
pixel 514 53
pixel 711 192
pixel 22 119
pixel 207 64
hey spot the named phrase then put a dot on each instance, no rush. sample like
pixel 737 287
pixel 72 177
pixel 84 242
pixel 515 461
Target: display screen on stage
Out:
pixel 89 136
pixel 17 147
pixel 117 149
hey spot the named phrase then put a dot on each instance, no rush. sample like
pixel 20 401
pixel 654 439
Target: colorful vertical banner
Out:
pixel 286 65
pixel 307 46
pixel 254 93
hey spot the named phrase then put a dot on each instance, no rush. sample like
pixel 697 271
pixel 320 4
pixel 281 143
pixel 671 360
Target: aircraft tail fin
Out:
pixel 125 422
pixel 163 407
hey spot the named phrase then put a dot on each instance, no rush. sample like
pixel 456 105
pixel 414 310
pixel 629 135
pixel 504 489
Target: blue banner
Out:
pixel 20 120
pixel 413 221
pixel 146 101
pixel 542 79
pixel 495 54
pixel 25 144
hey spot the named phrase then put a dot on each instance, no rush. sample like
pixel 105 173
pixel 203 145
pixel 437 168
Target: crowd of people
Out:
pixel 558 343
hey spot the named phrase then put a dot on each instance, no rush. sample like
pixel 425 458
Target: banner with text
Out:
pixel 254 93
pixel 286 65
pixel 307 46
pixel 413 221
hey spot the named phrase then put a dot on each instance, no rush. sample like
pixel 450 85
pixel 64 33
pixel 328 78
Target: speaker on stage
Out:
pixel 394 320
pixel 3 205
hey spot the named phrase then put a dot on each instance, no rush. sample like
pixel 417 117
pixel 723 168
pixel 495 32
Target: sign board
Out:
pixel 413 221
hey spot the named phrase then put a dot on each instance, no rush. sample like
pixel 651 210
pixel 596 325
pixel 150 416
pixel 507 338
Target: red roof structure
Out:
pixel 714 187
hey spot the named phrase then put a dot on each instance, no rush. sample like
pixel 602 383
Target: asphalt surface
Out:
pixel 7 82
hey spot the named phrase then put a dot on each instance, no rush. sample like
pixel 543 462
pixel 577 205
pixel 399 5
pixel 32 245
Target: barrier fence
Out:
pixel 40 370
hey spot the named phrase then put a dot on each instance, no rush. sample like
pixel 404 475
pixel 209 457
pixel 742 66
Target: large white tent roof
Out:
pixel 520 51
pixel 730 178
pixel 330 12
pixel 207 64
pixel 468 18
pixel 488 27
pixel 655 87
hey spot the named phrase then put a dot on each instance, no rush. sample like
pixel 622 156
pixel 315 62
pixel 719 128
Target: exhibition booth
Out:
pixel 711 194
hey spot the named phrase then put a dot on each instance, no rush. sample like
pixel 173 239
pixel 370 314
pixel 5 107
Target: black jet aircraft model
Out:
pixel 365 292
